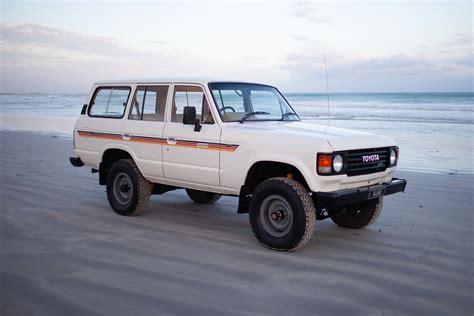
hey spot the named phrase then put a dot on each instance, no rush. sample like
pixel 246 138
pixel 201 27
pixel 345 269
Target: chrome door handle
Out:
pixel 171 140
pixel 126 136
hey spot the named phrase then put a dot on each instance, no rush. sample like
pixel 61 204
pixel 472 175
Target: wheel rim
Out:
pixel 123 188
pixel 276 215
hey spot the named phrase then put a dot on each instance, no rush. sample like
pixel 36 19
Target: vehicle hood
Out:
pixel 338 138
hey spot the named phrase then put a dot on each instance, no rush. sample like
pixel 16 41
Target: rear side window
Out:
pixel 148 103
pixel 109 102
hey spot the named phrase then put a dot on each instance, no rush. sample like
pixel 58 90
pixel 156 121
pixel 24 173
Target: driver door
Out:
pixel 191 156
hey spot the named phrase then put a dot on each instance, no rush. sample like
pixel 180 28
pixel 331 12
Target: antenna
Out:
pixel 327 84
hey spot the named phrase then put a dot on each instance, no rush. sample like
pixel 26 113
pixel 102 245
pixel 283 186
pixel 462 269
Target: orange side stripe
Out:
pixel 161 141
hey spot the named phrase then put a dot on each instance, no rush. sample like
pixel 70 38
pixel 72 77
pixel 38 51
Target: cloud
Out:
pixel 37 39
pixel 389 73
pixel 36 57
pixel 307 10
pixel 386 65
pixel 459 39
pixel 158 42
pixel 457 45
pixel 304 39
pixel 39 58
pixel 36 35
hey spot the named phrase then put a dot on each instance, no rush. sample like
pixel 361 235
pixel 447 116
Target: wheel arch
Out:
pixel 262 170
pixel 265 169
pixel 111 154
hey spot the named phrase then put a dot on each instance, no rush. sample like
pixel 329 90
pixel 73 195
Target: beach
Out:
pixel 64 251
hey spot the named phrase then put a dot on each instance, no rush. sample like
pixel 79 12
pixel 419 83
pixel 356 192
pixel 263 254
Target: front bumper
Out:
pixel 337 199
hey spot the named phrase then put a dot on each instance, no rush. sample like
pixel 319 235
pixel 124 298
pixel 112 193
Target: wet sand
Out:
pixel 63 251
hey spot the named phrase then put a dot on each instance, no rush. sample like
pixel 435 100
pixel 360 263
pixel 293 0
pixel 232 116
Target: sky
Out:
pixel 371 46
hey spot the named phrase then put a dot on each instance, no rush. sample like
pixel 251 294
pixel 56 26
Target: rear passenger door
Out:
pixel 190 156
pixel 143 129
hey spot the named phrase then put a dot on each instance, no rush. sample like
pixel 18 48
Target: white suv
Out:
pixel 232 138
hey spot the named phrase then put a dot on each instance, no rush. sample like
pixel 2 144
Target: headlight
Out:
pixel 393 157
pixel 338 163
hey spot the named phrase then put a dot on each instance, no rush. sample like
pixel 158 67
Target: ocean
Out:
pixel 434 130
pixel 403 107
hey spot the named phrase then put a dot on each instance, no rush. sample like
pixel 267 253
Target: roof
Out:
pixel 203 81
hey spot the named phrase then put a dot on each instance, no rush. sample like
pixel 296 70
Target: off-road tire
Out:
pixel 141 188
pixel 303 213
pixel 363 216
pixel 202 197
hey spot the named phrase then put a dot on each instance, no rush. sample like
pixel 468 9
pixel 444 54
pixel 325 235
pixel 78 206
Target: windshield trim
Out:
pixel 254 84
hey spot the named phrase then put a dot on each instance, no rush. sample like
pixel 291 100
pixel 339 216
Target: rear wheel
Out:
pixel 282 214
pixel 359 216
pixel 202 197
pixel 128 191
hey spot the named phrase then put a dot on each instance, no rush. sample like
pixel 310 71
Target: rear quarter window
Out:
pixel 109 102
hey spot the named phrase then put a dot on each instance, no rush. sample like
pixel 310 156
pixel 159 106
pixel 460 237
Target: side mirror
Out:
pixel 189 115
pixel 189 118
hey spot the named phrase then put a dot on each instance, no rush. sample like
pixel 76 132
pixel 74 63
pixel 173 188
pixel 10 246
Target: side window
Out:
pixel 148 103
pixel 191 96
pixel 109 102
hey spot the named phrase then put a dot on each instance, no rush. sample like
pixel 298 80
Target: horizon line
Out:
pixel 284 92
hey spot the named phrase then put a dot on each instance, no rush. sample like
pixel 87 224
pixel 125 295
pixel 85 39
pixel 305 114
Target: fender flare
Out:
pixel 114 146
pixel 295 164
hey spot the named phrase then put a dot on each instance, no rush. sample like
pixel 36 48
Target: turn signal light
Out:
pixel 324 163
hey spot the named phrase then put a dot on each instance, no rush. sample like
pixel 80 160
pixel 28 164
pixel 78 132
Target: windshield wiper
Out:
pixel 287 114
pixel 246 116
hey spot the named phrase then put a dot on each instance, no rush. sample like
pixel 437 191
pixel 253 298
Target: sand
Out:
pixel 63 251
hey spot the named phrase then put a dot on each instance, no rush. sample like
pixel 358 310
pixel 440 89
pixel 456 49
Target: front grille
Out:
pixel 357 166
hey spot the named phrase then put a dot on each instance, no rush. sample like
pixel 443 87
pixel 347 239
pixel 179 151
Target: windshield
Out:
pixel 250 102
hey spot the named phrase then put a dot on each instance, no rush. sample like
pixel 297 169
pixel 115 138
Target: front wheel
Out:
pixel 282 214
pixel 360 215
pixel 128 191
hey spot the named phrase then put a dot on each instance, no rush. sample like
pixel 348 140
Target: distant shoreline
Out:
pixel 284 92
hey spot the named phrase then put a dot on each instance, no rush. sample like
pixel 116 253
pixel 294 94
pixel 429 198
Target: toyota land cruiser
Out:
pixel 233 138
